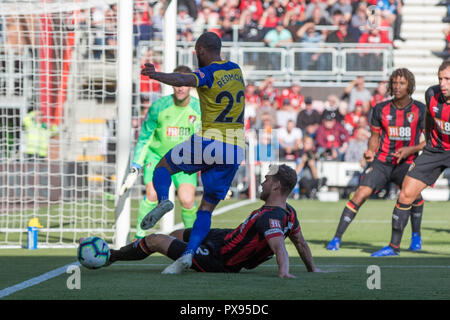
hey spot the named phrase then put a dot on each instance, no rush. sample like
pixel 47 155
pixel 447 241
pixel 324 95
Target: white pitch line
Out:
pixel 301 265
pixel 36 280
pixel 56 272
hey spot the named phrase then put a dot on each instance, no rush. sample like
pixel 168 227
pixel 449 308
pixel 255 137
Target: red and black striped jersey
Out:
pixel 439 110
pixel 247 247
pixel 398 128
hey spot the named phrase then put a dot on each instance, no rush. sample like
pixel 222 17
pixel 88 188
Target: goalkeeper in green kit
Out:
pixel 169 121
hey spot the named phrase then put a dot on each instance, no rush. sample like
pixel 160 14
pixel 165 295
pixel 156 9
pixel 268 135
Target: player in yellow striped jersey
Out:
pixel 217 150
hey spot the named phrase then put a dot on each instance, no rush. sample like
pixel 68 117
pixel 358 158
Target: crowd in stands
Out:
pixel 292 127
pixel 274 22
pixel 445 53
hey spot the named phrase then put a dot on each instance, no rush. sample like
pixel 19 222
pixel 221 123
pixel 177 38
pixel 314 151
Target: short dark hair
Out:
pixel 182 69
pixel 211 41
pixel 444 65
pixel 287 177
pixel 405 73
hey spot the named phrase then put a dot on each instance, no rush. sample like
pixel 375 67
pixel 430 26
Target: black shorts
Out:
pixel 377 174
pixel 429 165
pixel 207 257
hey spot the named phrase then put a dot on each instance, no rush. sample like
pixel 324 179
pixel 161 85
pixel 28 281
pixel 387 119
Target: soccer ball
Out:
pixel 93 252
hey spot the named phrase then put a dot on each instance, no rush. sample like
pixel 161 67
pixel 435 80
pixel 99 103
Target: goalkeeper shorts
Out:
pixel 179 178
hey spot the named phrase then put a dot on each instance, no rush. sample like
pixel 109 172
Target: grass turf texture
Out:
pixel 413 275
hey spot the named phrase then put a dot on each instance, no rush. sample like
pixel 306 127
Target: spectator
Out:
pixel 267 147
pixel 445 3
pixel 345 7
pixel 290 141
pixel 278 37
pixel 331 138
pixel 266 88
pixel 392 10
pixel 149 88
pixel 342 35
pixel 285 114
pixel 191 7
pixel 445 54
pixel 253 8
pixel 226 29
pixel 252 102
pixel 308 120
pixel 357 146
pixel 157 18
pixel 295 17
pixel 269 19
pixel 373 61
pixel 185 23
pixel 142 30
pixel 317 17
pixel 251 96
pixel 313 60
pixel 332 104
pixel 37 134
pixel 359 19
pixel 267 109
pixel 293 95
pixel 206 17
pixel 351 120
pixel 312 5
pixel 250 30
pixel 380 94
pixel 307 169
pixel 356 91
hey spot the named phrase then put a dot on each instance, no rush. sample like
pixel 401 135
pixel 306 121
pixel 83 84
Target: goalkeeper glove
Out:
pixel 130 180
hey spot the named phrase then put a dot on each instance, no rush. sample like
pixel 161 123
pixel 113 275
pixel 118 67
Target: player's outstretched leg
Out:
pixel 199 231
pixel 161 182
pixel 348 214
pixel 400 218
pixel 145 207
pixel 416 221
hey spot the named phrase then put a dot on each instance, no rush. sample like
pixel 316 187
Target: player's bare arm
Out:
pixel 175 79
pixel 428 124
pixel 372 146
pixel 276 244
pixel 405 152
pixel 303 250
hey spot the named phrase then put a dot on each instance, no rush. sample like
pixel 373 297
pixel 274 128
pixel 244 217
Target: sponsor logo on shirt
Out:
pixel 274 224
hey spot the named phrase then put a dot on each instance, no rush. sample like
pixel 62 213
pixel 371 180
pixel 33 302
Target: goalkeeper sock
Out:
pixel 161 183
pixel 188 216
pixel 144 207
pixel 136 250
pixel 348 214
pixel 199 231
pixel 400 218
pixel 416 215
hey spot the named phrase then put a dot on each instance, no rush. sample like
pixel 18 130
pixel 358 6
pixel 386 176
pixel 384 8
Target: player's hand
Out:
pixel 403 153
pixel 149 70
pixel 129 181
pixel 369 155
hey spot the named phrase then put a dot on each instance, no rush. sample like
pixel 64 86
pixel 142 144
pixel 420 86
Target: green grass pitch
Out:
pixel 413 275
